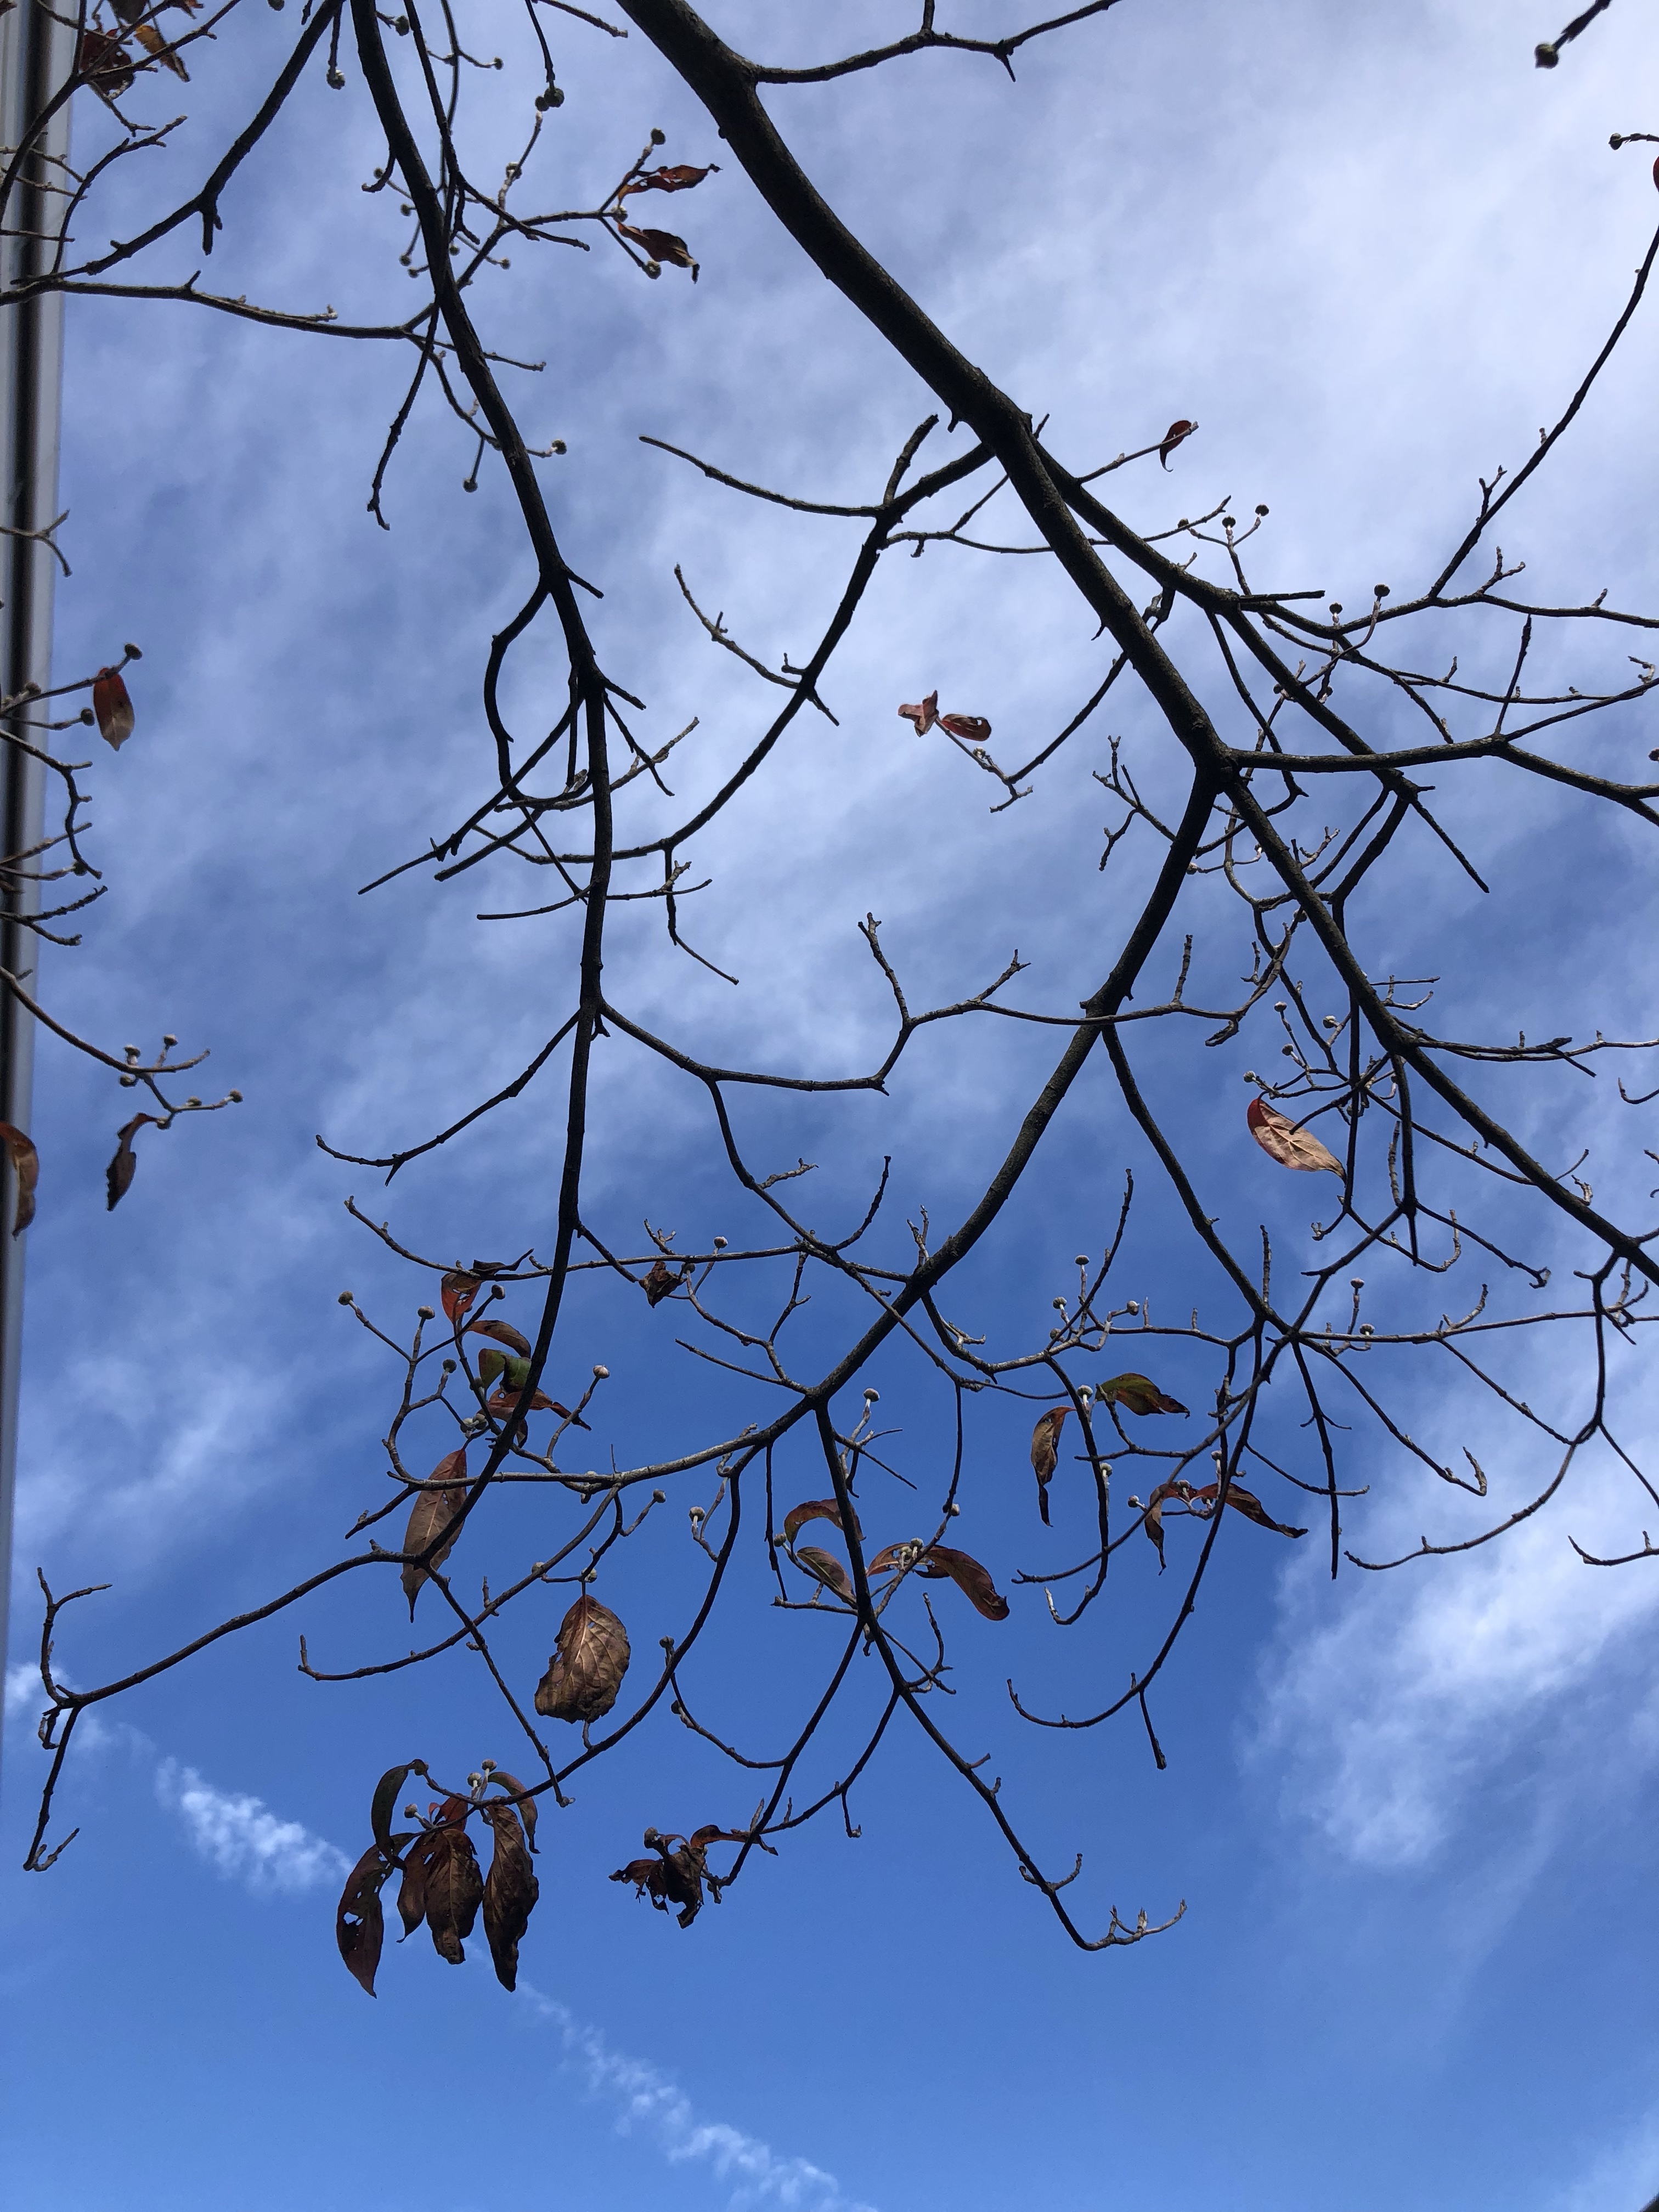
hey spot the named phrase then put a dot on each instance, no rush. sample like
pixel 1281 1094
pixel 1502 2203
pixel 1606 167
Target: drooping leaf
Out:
pixel 411 1891
pixel 26 1166
pixel 457 1292
pixel 523 1804
pixel 1153 1520
pixel 973 728
pixel 678 178
pixel 1136 1395
pixel 1045 1452
pixel 504 1333
pixel 923 716
pixel 972 1580
pixel 662 245
pixel 1173 437
pixel 383 1803
pixel 359 1923
pixel 433 1510
pixel 110 702
pixel 1282 1140
pixel 585 1673
pixel 510 1891
pixel 827 1569
pixel 454 1890
pixel 1247 1503
pixel 105 63
pixel 491 1363
pixel 118 1175
pixel 816 1509
pixel 158 49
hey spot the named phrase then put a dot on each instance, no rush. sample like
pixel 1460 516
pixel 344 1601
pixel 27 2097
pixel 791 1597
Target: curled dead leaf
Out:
pixel 583 1676
pixel 973 728
pixel 359 1921
pixel 1282 1140
pixel 677 1875
pixel 659 1283
pixel 1045 1452
pixel 110 702
pixel 679 177
pixel 118 1175
pixel 454 1890
pixel 519 1796
pixel 107 66
pixel 972 1580
pixel 923 716
pixel 510 1891
pixel 504 1333
pixel 816 1509
pixel 1136 1395
pixel 1247 1502
pixel 826 1568
pixel 26 1166
pixel 662 245
pixel 1172 437
pixel 432 1511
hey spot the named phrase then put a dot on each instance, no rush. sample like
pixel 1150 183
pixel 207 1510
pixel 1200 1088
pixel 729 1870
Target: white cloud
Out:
pixel 245 1840
pixel 1389 1712
pixel 651 2101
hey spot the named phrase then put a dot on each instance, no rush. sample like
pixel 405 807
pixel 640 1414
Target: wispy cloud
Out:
pixel 651 2101
pixel 245 1840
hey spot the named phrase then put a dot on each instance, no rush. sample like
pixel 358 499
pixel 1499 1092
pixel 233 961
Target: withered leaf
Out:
pixel 827 1569
pixel 458 1289
pixel 1152 1521
pixel 26 1166
pixel 504 1333
pixel 1137 1395
pixel 1045 1452
pixel 110 702
pixel 433 1510
pixel 972 1580
pixel 157 47
pixel 411 1890
pixel 523 1804
pixel 923 716
pixel 677 177
pixel 385 1801
pixel 1247 1503
pixel 893 1559
pixel 454 1890
pixel 816 1509
pixel 1173 437
pixel 359 1923
pixel 662 245
pixel 973 728
pixel 1282 1140
pixel 659 1283
pixel 106 63
pixel 584 1675
pixel 675 1875
pixel 510 1891
pixel 118 1175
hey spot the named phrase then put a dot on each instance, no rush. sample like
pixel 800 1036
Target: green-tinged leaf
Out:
pixel 1137 1395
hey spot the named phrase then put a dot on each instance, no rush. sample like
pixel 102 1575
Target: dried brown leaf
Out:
pixel 26 1166
pixel 118 1175
pixel 659 1283
pixel 1247 1503
pixel 972 1580
pixel 523 1804
pixel 454 1890
pixel 359 1921
pixel 816 1509
pixel 973 728
pixel 583 1676
pixel 1045 1452
pixel 158 49
pixel 827 1569
pixel 110 702
pixel 510 1891
pixel 105 63
pixel 432 1511
pixel 1172 437
pixel 677 177
pixel 1136 1395
pixel 504 1333
pixel 923 716
pixel 662 245
pixel 1282 1140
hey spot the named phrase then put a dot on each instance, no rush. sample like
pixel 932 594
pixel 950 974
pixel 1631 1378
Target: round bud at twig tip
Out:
pixel 601 1374
pixel 424 1313
pixel 346 1298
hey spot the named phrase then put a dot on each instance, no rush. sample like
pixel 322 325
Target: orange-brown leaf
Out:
pixel 110 702
pixel 662 245
pixel 973 728
pixel 504 1333
pixel 432 1511
pixel 1136 1395
pixel 158 49
pixel 26 1166
pixel 972 1580
pixel 679 177
pixel 1282 1140
pixel 816 1509
pixel 585 1673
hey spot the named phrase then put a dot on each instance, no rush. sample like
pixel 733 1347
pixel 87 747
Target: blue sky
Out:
pixel 1370 252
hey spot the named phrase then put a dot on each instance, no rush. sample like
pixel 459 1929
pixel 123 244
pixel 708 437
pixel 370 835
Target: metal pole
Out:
pixel 36 55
